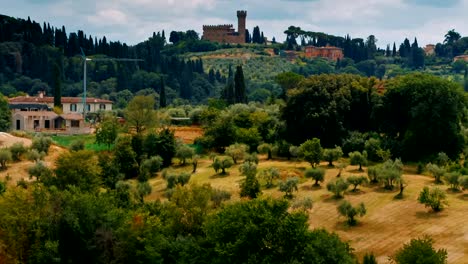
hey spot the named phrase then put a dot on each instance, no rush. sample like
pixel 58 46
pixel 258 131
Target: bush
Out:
pixel 173 179
pixel 318 174
pixel 40 171
pixel 347 210
pixel 453 178
pixel 436 171
pixel 218 196
pixel 236 152
pixel 41 144
pixel 288 186
pixel 250 187
pixel 222 163
pixel 34 155
pixel 269 175
pixel 5 157
pixel 338 187
pixel 17 150
pixel 420 250
pixel 149 167
pixel 77 145
pixel 304 204
pixel 369 259
pixel 331 155
pixel 435 198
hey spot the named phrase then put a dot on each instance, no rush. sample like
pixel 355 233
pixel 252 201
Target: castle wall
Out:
pixel 227 33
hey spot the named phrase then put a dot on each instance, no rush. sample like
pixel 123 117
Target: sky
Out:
pixel 133 21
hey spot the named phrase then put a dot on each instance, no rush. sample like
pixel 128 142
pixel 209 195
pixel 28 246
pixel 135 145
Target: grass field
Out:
pixel 89 140
pixel 388 224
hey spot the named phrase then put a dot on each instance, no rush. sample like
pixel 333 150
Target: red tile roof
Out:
pixel 49 100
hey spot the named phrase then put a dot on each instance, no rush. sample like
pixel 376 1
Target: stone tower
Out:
pixel 241 16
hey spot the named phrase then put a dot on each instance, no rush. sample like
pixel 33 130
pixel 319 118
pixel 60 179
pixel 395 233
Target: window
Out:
pixel 75 123
pixel 102 107
pixel 88 107
pixel 72 107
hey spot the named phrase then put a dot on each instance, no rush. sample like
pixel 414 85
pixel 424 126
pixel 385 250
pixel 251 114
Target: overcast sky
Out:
pixel 133 21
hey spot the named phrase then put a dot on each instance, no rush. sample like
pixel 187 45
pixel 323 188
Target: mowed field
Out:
pixel 388 224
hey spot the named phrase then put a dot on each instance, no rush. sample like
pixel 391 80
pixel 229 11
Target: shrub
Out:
pixel 77 145
pixel 356 181
pixel 5 157
pixel 338 187
pixel 435 198
pixel 318 174
pixel 269 175
pixel 218 196
pixel 34 155
pixel 453 178
pixel 420 250
pixel 17 150
pixel 41 144
pixel 252 158
pixel 347 210
pixel 304 204
pixel 369 259
pixel 173 179
pixel 222 163
pixel 250 187
pixel 436 171
pixel 236 151
pixel 288 186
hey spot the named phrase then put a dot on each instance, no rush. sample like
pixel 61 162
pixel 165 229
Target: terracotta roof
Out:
pixel 50 99
pixel 37 113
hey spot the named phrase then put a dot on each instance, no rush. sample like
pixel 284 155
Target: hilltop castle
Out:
pixel 227 33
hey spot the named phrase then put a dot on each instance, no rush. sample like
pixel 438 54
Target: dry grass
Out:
pixel 389 223
pixel 187 133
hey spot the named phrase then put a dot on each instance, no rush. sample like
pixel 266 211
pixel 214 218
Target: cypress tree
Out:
pixel 57 82
pixel 394 50
pixel 162 95
pixel 239 86
pixel 466 78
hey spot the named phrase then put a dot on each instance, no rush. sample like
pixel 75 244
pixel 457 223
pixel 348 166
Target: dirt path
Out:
pixel 6 140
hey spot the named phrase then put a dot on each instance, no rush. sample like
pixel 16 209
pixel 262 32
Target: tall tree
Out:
pixel 239 86
pixel 5 116
pixel 162 95
pixel 57 83
pixel 394 51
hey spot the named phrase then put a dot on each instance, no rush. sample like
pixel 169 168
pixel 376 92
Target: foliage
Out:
pixel 218 196
pixel 356 181
pixel 318 174
pixel 149 167
pixel 40 171
pixel 34 155
pixel 357 158
pixel 79 169
pixel 436 171
pixel 174 179
pixel 125 157
pixel 265 148
pixel 17 150
pixel 165 146
pixel 140 113
pixel 434 198
pixel 222 163
pixel 453 178
pixel 41 144
pixel 107 131
pixel 77 145
pixel 269 175
pixel 288 186
pixel 420 250
pixel 331 155
pixel 234 233
pixel 184 152
pixel 369 259
pixel 372 147
pixel 304 204
pixel 390 173
pixel 5 116
pixel 236 152
pixel 338 187
pixel 312 151
pixel 416 117
pixel 110 173
pixel 5 157
pixel 347 210
pixel 250 187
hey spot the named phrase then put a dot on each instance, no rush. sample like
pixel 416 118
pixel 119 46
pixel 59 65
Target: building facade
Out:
pixel 227 33
pixel 328 52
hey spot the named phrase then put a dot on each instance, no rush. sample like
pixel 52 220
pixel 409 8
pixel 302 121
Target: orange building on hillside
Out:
pixel 328 52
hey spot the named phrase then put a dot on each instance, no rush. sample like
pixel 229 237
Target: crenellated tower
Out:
pixel 241 17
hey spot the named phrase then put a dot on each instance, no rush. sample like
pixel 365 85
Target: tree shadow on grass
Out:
pixel 357 192
pixel 330 198
pixel 312 187
pixel 429 214
pixel 463 196
pixel 219 175
pixel 342 225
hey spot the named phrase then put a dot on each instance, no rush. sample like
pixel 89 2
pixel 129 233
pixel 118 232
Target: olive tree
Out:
pixel 420 250
pixel 318 174
pixel 453 178
pixel 265 148
pixel 436 171
pixel 236 152
pixel 5 157
pixel 434 198
pixel 184 152
pixel 312 151
pixel 269 175
pixel 288 186
pixel 338 187
pixel 331 155
pixel 222 163
pixel 347 210
pixel 358 158
pixel 17 150
pixel 463 180
pixel 356 181
pixel 390 173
